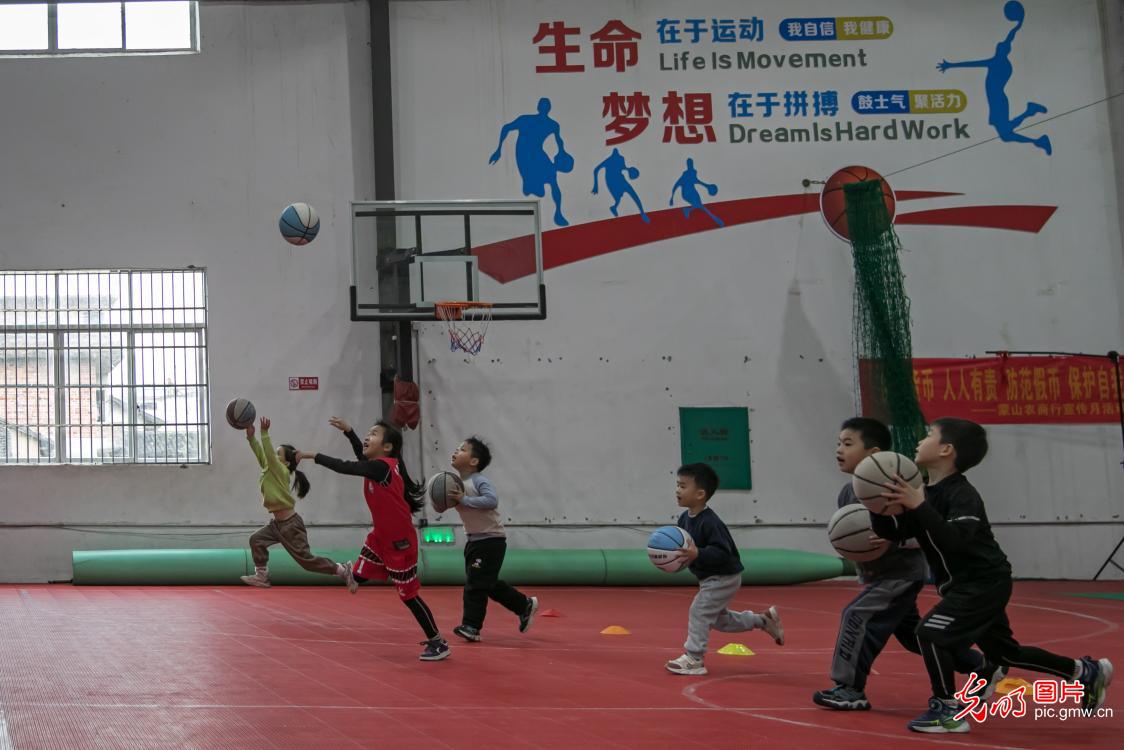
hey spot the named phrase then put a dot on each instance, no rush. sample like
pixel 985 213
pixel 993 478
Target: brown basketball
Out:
pixel 833 205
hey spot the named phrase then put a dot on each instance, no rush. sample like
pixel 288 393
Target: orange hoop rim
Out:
pixel 454 310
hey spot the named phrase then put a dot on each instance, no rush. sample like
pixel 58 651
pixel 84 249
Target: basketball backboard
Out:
pixel 409 255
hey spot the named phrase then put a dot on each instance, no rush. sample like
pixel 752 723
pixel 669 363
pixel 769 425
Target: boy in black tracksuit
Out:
pixel 972 574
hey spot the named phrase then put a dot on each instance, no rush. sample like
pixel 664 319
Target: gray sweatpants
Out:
pixel 883 608
pixel 709 612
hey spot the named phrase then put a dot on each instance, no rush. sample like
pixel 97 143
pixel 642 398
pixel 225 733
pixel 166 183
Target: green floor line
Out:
pixel 1117 595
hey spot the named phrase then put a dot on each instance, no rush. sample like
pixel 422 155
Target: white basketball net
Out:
pixel 467 324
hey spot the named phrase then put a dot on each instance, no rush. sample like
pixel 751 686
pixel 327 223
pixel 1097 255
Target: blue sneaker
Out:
pixel 940 718
pixel 436 649
pixel 1096 677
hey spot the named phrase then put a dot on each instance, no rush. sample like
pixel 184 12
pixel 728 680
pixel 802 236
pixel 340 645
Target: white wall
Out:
pixel 1112 27
pixel 171 161
pixel 582 409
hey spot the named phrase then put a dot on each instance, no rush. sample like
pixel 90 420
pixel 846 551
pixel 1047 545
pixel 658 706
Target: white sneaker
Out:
pixel 686 664
pixel 260 579
pixel 349 577
pixel 773 625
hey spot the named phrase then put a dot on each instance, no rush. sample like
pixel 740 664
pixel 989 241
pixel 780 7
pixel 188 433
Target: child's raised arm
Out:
pixel 276 468
pixel 254 446
pixel 345 428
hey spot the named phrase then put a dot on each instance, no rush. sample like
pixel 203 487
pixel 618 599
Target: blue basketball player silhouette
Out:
pixel 617 182
pixel 686 185
pixel 999 71
pixel 535 166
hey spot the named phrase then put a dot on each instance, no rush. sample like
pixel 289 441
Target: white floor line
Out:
pixel 425 709
pixel 690 692
pixel 5 739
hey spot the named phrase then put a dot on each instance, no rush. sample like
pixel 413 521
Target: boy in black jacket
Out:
pixel 714 559
pixel 972 575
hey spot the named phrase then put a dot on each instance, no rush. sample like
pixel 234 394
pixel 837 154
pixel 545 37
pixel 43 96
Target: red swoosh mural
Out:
pixel 515 258
pixel 1015 218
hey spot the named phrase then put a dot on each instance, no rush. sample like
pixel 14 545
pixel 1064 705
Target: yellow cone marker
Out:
pixel 1011 683
pixel 615 630
pixel 735 649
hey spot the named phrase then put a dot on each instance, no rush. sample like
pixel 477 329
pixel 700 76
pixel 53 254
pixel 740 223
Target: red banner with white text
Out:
pixel 1012 389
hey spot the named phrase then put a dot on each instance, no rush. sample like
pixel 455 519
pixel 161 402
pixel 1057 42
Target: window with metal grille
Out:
pixel 104 367
pixel 98 27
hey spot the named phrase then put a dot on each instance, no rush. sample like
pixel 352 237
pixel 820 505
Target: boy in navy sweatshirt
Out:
pixel 715 561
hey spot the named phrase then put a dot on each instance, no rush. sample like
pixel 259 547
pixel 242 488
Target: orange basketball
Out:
pixel 832 204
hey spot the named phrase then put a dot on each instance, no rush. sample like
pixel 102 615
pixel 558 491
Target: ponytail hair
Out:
pixel 415 492
pixel 300 481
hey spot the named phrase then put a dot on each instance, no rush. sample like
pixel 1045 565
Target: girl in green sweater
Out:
pixel 287 527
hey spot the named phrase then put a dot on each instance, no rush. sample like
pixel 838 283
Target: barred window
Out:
pixel 104 367
pixel 98 27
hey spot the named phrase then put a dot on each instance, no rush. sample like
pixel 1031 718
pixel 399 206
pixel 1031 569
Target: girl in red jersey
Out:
pixel 391 550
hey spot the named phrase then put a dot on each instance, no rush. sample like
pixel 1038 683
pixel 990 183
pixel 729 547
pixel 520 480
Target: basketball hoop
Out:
pixel 467 323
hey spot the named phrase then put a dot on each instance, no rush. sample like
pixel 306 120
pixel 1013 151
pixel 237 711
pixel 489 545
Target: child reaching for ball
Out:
pixel 287 527
pixel 714 559
pixel 391 549
pixel 486 545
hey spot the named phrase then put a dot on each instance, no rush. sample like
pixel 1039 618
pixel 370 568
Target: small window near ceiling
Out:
pixel 92 29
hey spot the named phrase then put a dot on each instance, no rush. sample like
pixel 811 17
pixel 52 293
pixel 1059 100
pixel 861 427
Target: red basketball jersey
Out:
pixel 390 513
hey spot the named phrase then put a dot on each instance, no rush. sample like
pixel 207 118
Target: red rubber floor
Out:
pixel 203 667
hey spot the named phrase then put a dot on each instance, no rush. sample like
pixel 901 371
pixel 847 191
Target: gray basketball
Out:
pixel 240 413
pixel 874 475
pixel 439 484
pixel 849 532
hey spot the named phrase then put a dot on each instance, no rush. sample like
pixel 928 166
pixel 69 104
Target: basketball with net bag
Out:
pixel 833 204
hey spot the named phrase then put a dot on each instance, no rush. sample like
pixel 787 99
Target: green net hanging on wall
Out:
pixel 881 316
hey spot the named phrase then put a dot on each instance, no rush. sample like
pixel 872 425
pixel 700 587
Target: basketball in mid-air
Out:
pixel 299 224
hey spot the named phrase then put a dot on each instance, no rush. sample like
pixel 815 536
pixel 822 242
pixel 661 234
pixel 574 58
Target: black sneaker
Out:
pixel 842 698
pixel 467 632
pixel 528 615
pixel 436 649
